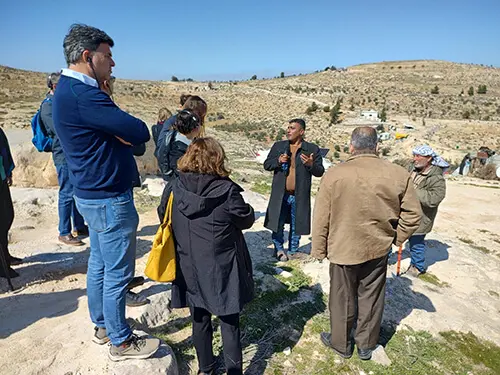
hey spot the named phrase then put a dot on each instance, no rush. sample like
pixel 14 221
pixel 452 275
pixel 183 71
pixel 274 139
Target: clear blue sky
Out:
pixel 236 39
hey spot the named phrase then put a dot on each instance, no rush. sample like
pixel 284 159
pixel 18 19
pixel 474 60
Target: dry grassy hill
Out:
pixel 259 108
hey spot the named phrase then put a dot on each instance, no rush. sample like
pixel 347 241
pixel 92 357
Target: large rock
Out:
pixel 162 362
pixel 157 312
pixel 36 169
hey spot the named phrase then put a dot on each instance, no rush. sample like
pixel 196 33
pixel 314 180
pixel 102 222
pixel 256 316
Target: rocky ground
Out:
pixel 445 323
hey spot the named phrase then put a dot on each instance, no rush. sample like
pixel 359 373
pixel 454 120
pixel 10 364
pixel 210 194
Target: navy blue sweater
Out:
pixel 86 121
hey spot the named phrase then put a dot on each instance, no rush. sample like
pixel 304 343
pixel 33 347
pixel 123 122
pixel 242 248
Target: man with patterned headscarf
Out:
pixel 427 176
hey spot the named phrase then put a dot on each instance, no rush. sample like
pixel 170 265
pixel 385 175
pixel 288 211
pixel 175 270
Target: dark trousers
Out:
pixel 202 339
pixel 357 290
pixel 6 218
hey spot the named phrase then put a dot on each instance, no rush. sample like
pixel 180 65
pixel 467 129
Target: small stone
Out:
pixel 287 351
pixel 287 363
pixel 362 373
pixel 380 356
pixel 337 361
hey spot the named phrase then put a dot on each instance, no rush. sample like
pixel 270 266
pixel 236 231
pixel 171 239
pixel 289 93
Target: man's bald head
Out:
pixel 364 140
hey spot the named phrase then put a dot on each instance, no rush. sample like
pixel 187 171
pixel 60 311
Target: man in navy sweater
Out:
pixel 97 139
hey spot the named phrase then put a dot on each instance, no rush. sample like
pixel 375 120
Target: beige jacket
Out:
pixel 363 207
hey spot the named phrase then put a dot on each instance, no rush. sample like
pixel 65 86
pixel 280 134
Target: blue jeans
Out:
pixel 112 229
pixel 417 251
pixel 66 203
pixel 288 209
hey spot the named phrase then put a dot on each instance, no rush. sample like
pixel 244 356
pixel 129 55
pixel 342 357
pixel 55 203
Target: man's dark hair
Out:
pixel 299 121
pixel 184 98
pixel 186 121
pixel 52 79
pixel 364 140
pixel 82 37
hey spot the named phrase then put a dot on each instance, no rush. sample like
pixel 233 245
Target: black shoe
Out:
pixel 82 232
pixel 135 282
pixel 326 340
pixel 365 354
pixel 15 261
pixel 13 274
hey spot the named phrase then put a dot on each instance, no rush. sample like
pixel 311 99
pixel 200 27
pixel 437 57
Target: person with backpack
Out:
pixel 6 207
pixel 68 212
pixel 187 127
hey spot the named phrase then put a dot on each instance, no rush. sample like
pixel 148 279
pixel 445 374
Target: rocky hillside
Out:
pixel 431 95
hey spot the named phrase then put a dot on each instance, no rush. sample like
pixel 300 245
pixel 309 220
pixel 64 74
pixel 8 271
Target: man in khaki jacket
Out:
pixel 364 206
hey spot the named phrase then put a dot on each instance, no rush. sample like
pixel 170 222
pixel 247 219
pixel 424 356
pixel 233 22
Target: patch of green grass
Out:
pixel 263 188
pixel 298 279
pixel 466 240
pixel 493 293
pixel 411 353
pixel 482 249
pixel 433 279
pixel 481 352
pixel 266 268
pixel 145 202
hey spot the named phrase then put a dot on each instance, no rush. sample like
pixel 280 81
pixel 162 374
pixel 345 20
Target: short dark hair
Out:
pixel 52 79
pixel 364 139
pixel 186 121
pixel 299 121
pixel 82 37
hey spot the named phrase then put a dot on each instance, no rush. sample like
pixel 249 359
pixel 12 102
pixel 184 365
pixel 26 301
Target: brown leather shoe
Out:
pixel 70 240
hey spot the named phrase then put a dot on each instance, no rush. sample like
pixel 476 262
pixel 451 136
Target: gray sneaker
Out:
pixel 413 271
pixel 134 299
pixel 100 337
pixel 134 348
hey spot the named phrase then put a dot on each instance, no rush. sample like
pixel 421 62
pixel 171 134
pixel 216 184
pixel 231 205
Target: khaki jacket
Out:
pixel 363 207
pixel 431 190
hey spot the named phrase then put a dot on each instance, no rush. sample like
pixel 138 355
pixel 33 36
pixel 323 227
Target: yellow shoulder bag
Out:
pixel 161 261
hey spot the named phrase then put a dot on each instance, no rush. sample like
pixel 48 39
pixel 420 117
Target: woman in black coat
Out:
pixel 214 270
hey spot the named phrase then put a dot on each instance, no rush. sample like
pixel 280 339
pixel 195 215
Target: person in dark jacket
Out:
pixel 214 269
pixel 68 212
pixel 193 104
pixel 293 162
pixel 163 115
pixel 186 128
pixel 428 180
pixel 6 206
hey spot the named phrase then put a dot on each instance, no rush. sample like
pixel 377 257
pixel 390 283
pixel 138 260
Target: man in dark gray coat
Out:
pixel 293 162
pixel 68 212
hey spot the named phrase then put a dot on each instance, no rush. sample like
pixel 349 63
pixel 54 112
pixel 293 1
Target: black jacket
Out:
pixel 303 177
pixel 175 146
pixel 214 269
